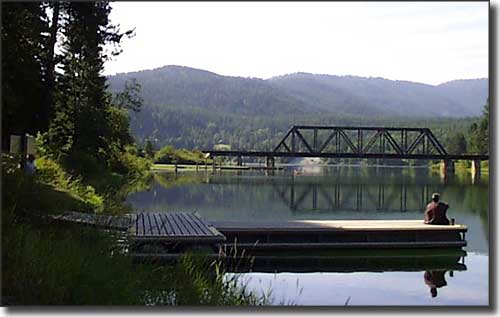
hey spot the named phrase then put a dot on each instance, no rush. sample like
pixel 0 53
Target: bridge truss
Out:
pixel 360 141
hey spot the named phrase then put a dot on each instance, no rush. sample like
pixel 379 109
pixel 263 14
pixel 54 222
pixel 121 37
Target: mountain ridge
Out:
pixel 304 93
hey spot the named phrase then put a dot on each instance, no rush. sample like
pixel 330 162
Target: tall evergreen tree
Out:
pixel 24 29
pixel 81 128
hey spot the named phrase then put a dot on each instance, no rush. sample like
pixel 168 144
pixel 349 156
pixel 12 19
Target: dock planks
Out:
pixel 95 220
pixel 180 226
pixel 335 225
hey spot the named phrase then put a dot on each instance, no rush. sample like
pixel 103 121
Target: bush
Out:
pixel 133 165
pixel 50 172
pixel 170 155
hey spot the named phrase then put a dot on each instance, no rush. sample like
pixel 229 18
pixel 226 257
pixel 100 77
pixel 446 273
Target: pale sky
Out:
pixel 429 42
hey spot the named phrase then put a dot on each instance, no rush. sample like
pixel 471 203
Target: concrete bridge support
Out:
pixel 270 162
pixel 476 168
pixel 239 161
pixel 214 163
pixel 447 168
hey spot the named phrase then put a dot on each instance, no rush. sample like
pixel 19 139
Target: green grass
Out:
pixel 45 263
pixel 50 265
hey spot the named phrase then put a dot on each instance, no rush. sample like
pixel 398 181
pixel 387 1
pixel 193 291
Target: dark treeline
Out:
pixel 60 94
pixel 196 128
pixel 196 109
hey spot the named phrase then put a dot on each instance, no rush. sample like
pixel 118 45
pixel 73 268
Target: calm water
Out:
pixel 339 193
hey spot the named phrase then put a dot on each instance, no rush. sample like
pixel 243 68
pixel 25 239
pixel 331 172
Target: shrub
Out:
pixel 169 155
pixel 50 172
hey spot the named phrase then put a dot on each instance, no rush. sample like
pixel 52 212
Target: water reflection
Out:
pixel 335 193
pixel 343 193
pixel 349 261
pixel 435 280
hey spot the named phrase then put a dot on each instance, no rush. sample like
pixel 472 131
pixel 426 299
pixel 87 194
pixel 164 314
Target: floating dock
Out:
pixel 351 234
pixel 345 261
pixel 175 233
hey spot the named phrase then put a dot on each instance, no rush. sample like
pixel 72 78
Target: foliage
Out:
pixel 50 172
pixel 24 25
pixel 479 133
pixel 456 144
pixel 130 98
pixel 149 149
pixel 196 128
pixel 48 264
pixel 87 126
pixel 169 154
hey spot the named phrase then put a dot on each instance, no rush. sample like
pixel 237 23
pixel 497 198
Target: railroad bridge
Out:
pixel 357 142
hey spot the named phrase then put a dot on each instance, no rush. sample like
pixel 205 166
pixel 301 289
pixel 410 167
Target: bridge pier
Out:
pixel 447 167
pixel 476 168
pixel 270 162
pixel 213 163
pixel 239 161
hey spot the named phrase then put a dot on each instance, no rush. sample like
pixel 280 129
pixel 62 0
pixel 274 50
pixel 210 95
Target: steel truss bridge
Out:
pixel 355 142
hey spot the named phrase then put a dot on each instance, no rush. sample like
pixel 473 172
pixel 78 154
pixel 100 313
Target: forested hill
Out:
pixel 359 95
pixel 193 108
pixel 302 93
pixel 188 87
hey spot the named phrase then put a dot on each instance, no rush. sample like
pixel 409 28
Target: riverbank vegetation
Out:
pixel 86 160
pixel 170 155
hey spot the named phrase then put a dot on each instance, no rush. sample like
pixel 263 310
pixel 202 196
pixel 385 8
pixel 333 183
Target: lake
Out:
pixel 340 192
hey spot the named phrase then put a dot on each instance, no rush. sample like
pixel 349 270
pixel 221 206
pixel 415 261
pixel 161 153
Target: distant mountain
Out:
pixel 470 93
pixel 194 108
pixel 304 93
pixel 370 96
pixel 188 87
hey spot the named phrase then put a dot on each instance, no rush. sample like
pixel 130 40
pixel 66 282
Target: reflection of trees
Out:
pixel 477 201
pixel 169 180
pixel 338 189
pixel 116 194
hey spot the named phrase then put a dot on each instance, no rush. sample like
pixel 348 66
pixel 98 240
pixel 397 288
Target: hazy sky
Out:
pixel 430 42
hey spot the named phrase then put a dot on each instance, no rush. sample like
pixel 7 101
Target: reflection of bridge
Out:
pixel 355 197
pixel 357 142
pixel 341 194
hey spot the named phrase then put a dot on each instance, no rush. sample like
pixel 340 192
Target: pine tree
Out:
pixel 84 123
pixel 24 25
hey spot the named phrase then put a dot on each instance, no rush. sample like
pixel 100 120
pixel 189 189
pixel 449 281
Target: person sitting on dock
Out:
pixel 435 212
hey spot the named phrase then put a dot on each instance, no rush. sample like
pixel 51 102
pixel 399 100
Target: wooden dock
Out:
pixel 102 221
pixel 172 232
pixel 158 233
pixel 352 234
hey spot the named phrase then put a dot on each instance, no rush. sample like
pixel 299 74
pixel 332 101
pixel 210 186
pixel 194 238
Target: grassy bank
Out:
pixel 45 263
